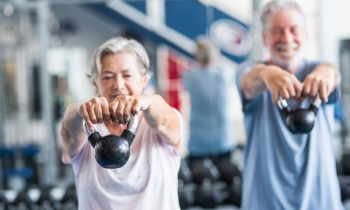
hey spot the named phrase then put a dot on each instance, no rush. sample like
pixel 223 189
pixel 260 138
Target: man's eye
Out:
pixel 295 30
pixel 277 31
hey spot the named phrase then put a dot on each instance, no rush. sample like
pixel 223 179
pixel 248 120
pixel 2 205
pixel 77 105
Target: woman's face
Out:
pixel 120 75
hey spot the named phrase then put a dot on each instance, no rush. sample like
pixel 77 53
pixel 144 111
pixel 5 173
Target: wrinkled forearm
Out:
pixel 72 130
pixel 252 83
pixel 164 119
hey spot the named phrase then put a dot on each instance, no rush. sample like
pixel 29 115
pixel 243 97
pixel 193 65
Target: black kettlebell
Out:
pixel 299 120
pixel 113 151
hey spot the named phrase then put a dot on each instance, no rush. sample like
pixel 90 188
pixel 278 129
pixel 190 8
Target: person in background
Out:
pixel 210 87
pixel 283 170
pixel 149 179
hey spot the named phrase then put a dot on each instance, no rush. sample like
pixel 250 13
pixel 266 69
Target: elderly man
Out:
pixel 285 169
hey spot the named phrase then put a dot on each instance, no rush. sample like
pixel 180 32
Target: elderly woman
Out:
pixel 149 179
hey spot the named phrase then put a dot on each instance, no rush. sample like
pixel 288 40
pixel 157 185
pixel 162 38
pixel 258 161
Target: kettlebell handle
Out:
pixel 315 104
pixel 299 120
pixel 130 129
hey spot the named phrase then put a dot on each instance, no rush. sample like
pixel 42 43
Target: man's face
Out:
pixel 284 36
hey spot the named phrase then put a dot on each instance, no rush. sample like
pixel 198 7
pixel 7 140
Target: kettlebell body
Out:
pixel 299 120
pixel 113 151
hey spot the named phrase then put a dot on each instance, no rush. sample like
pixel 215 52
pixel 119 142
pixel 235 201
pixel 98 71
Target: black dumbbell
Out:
pixel 185 172
pixel 344 183
pixel 186 193
pixel 228 170
pixel 345 163
pixel 21 201
pixel 203 169
pixel 235 192
pixel 211 194
pixel 45 200
pixel 69 200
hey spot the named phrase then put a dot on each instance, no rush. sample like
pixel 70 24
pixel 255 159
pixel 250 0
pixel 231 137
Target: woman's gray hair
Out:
pixel 277 5
pixel 119 45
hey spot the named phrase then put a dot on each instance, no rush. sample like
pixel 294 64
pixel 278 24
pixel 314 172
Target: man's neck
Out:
pixel 291 67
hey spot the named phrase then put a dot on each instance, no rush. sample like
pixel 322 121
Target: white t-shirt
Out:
pixel 147 181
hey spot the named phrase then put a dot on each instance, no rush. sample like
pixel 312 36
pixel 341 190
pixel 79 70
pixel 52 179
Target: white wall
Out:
pixel 334 26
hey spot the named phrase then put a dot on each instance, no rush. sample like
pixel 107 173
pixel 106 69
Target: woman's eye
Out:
pixel 106 77
pixel 128 76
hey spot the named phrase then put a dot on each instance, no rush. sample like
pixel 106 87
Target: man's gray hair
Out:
pixel 119 45
pixel 276 5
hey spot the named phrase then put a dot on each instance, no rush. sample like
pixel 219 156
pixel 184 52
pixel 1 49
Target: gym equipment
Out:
pixel 185 173
pixel 299 120
pixel 344 182
pixel 3 200
pixel 204 169
pixel 70 200
pixel 30 154
pixel 7 159
pixel 21 201
pixel 45 200
pixel 113 151
pixel 186 193
pixel 345 164
pixel 235 192
pixel 228 170
pixel 211 194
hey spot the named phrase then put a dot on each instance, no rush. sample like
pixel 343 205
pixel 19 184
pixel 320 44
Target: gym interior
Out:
pixel 45 45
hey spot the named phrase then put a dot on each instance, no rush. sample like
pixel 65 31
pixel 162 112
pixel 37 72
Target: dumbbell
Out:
pixel 45 200
pixel 211 194
pixel 345 163
pixel 33 198
pixel 344 183
pixel 186 193
pixel 235 192
pixel 21 201
pixel 227 170
pixel 204 169
pixel 3 200
pixel 185 173
pixel 70 200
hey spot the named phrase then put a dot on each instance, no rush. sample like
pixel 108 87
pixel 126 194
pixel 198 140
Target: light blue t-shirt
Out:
pixel 285 171
pixel 212 129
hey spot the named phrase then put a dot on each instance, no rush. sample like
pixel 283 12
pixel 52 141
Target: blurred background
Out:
pixel 45 52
